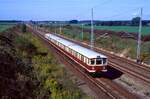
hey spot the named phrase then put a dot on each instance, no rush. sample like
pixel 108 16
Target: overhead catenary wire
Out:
pixel 123 13
pixel 84 13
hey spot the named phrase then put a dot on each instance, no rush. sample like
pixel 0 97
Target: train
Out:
pixel 89 60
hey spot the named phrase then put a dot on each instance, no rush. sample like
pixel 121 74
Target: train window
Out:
pixel 82 57
pixel 88 61
pixel 66 48
pixel 98 61
pixel 104 60
pixel 72 52
pixel 92 61
pixel 69 50
pixel 63 46
pixel 76 54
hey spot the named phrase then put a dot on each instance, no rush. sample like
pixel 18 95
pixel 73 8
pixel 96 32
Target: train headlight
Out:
pixel 92 67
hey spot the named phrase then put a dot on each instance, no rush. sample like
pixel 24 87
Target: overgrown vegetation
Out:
pixel 32 71
pixel 52 76
pixel 24 28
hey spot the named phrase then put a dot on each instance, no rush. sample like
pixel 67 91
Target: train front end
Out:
pixel 98 64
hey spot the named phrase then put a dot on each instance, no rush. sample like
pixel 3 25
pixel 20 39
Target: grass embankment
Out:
pixel 32 71
pixel 133 29
pixel 51 74
pixel 126 47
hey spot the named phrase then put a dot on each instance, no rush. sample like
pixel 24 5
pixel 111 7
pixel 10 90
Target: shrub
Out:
pixel 24 28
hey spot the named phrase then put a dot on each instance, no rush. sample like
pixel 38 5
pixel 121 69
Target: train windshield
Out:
pixel 104 60
pixel 92 61
pixel 98 61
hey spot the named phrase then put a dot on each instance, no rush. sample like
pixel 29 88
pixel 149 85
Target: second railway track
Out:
pixel 108 87
pixel 129 67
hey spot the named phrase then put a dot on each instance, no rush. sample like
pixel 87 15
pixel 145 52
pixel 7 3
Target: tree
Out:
pixel 135 21
pixel 73 21
pixel 24 28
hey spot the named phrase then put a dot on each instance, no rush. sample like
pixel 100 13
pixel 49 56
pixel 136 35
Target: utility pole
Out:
pixel 139 37
pixel 82 32
pixel 60 29
pixel 92 30
pixel 55 29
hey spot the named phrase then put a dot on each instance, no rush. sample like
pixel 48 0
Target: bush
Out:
pixel 24 28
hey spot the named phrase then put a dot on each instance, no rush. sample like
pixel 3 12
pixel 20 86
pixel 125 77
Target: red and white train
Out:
pixel 90 60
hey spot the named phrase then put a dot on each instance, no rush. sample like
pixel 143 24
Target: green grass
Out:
pixel 6 25
pixel 124 46
pixel 145 30
pixel 3 27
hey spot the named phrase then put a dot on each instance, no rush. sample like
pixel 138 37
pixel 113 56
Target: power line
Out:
pixel 121 14
pixel 100 5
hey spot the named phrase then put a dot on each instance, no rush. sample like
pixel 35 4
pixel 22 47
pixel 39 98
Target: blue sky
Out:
pixel 72 9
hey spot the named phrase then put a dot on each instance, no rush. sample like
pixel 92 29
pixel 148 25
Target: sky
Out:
pixel 64 10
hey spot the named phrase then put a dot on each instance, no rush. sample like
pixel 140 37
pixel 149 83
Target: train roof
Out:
pixel 61 40
pixel 82 50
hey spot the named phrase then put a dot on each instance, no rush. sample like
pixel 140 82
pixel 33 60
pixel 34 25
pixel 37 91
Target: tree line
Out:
pixel 134 22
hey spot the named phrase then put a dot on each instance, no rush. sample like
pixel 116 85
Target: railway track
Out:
pixel 129 67
pixel 126 66
pixel 105 88
pixel 130 62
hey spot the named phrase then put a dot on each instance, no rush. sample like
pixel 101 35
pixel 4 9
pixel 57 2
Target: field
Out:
pixel 5 26
pixel 145 30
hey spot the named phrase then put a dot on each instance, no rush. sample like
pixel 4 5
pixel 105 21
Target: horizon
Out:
pixel 67 20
